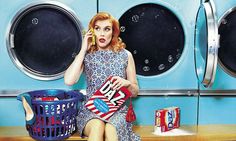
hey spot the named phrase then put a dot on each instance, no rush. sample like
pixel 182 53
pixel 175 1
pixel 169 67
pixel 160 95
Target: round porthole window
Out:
pixel 44 39
pixel 227 50
pixel 155 37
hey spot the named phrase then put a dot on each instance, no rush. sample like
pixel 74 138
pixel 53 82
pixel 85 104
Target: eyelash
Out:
pixel 106 29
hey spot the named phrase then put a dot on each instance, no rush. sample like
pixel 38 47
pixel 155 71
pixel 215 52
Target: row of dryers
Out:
pixel 176 44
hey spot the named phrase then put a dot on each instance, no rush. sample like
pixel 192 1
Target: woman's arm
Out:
pixel 131 83
pixel 131 76
pixel 75 70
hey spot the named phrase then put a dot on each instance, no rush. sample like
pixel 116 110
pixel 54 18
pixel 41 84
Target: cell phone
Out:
pixel 93 37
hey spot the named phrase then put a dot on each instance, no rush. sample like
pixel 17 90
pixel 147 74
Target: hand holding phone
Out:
pixel 93 37
pixel 88 36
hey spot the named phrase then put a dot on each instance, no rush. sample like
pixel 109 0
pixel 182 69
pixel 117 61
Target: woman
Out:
pixel 106 57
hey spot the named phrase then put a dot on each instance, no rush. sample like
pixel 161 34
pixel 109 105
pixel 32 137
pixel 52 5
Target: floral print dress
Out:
pixel 98 66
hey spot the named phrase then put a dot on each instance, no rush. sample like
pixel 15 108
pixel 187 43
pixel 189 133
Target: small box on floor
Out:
pixel 167 119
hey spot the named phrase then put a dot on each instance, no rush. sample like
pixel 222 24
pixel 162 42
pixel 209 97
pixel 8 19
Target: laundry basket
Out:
pixel 55 112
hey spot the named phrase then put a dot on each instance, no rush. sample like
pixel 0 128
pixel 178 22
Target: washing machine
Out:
pixel 215 47
pixel 39 40
pixel 160 36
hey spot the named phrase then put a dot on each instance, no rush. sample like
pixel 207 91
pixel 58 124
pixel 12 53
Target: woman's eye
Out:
pixel 107 29
pixel 97 28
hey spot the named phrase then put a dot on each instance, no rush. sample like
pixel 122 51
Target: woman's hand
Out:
pixel 119 82
pixel 85 44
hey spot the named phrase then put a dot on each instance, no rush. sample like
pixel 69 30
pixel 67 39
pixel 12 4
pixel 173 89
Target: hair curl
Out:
pixel 116 42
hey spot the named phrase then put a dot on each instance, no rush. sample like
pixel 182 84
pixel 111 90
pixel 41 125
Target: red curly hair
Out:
pixel 116 42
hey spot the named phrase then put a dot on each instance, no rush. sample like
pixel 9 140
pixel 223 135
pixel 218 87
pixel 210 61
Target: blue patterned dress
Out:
pixel 98 66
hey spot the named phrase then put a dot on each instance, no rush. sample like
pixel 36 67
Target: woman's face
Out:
pixel 103 33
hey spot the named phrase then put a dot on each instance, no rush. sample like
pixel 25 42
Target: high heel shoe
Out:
pixel 28 107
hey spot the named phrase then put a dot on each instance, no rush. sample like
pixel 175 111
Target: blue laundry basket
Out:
pixel 55 120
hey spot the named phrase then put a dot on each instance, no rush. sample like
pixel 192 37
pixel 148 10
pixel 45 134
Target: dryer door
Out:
pixel 43 40
pixel 227 51
pixel 206 44
pixel 155 37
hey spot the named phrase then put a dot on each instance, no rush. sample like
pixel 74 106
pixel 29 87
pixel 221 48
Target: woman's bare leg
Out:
pixel 94 129
pixel 110 133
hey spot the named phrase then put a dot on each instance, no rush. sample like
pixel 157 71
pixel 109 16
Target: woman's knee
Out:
pixel 110 132
pixel 95 126
pixel 98 125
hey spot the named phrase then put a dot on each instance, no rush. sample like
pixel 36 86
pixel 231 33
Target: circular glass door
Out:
pixel 227 50
pixel 44 39
pixel 206 44
pixel 155 37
